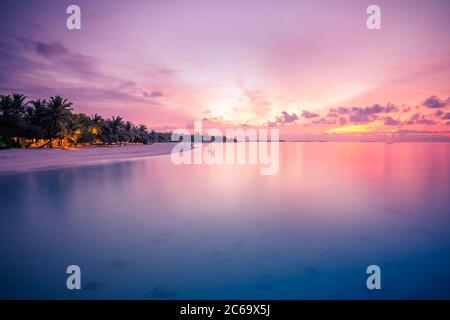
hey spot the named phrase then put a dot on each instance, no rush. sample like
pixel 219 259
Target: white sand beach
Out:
pixel 22 160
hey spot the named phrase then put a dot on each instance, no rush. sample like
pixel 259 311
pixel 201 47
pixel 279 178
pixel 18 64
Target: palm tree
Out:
pixel 33 114
pixel 12 112
pixel 113 130
pixel 39 106
pixel 153 136
pixel 128 133
pixel 97 123
pixel 23 123
pixel 57 115
pixel 72 131
pixel 142 134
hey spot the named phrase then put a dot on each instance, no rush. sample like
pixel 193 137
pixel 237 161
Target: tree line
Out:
pixel 50 123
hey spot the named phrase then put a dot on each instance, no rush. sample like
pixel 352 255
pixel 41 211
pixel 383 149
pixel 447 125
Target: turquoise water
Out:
pixel 153 230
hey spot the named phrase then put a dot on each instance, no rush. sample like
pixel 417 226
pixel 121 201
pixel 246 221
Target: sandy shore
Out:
pixel 23 160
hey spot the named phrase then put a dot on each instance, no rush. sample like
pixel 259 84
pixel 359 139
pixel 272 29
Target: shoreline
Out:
pixel 14 161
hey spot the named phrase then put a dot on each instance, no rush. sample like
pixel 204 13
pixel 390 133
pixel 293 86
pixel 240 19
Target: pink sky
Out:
pixel 259 63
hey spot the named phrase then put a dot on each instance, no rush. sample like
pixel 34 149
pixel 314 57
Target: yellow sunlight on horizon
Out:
pixel 357 128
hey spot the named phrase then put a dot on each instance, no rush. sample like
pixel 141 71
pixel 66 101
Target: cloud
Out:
pixel 60 57
pixel 287 118
pixel 164 71
pixel 359 118
pixel 374 109
pixel 340 110
pixel 128 84
pixel 434 102
pixel 406 109
pixel 325 121
pixel 258 102
pixel 342 121
pixel 284 118
pixel 362 114
pixel 213 119
pixel 51 50
pixel 390 108
pixel 420 120
pixel 332 114
pixel 389 121
pixel 308 115
pixel 439 113
pixel 153 94
pixel 406 132
pixel 43 68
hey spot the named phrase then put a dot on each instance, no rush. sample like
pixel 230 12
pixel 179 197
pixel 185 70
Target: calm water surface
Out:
pixel 150 229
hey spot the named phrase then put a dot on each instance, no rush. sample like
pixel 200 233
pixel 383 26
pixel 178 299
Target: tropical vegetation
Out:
pixel 52 123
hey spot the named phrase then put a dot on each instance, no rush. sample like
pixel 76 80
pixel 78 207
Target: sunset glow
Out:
pixel 176 62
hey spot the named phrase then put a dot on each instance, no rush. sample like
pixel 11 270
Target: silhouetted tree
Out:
pixel 44 121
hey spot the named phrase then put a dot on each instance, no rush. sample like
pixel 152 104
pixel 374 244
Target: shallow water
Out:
pixel 151 229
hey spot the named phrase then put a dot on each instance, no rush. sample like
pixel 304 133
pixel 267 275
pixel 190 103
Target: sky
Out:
pixel 309 68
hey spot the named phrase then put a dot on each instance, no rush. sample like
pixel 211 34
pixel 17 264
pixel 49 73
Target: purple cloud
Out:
pixel 434 102
pixel 362 114
pixel 406 109
pixel 340 110
pixel 308 115
pixel 332 114
pixel 285 117
pixel 389 121
pixel 61 57
pixel 374 109
pixel 51 50
pixel 439 113
pixel 153 94
pixel 325 121
pixel 420 120
pixel 359 118
pixel 390 108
